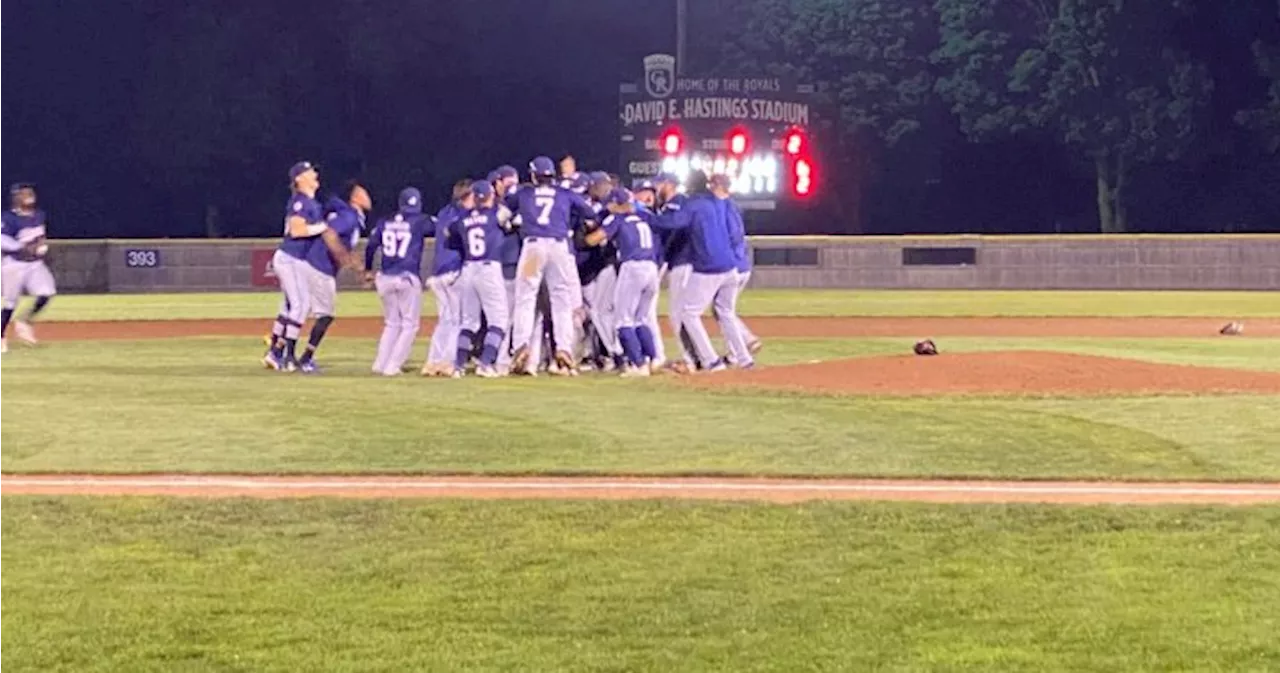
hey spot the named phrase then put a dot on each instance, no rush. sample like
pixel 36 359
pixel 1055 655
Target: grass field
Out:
pixel 144 584
pixel 362 586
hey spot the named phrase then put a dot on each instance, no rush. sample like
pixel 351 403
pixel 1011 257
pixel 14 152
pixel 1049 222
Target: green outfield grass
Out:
pixel 1238 305
pixel 98 584
pixel 204 405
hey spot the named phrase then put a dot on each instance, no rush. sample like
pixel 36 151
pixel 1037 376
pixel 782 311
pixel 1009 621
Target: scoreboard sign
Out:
pixel 753 129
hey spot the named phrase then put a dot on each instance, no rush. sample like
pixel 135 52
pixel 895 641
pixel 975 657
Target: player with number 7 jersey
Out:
pixel 400 239
pixel 479 235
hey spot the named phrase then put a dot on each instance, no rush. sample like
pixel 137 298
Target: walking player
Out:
pixel 479 235
pixel 401 239
pixel 23 268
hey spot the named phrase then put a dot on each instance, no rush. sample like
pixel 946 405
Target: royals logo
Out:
pixel 659 75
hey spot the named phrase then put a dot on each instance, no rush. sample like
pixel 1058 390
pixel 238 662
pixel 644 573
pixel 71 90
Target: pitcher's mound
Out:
pixel 1008 372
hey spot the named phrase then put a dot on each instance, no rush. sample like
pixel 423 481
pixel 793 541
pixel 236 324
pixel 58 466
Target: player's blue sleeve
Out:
pixel 611 226
pixel 681 218
pixel 512 200
pixel 579 206
pixel 371 247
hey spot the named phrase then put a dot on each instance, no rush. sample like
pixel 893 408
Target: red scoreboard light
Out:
pixel 737 142
pixel 794 143
pixel 804 176
pixel 671 142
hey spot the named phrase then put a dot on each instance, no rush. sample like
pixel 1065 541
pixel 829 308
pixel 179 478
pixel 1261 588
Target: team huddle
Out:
pixel 555 275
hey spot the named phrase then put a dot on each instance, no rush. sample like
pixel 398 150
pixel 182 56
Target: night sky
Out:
pixel 153 117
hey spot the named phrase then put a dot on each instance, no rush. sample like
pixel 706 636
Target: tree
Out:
pixel 1266 119
pixel 1099 76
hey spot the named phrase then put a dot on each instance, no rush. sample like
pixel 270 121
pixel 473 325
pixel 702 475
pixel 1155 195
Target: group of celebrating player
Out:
pixel 558 274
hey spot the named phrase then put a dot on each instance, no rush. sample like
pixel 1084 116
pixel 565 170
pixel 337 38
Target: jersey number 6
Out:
pixel 475 242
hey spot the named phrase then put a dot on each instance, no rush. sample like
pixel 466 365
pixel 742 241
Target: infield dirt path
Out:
pixel 640 488
pixel 775 326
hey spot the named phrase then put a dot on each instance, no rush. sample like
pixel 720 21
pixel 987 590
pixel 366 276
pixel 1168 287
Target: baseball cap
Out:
pixel 620 196
pixel 19 186
pixel 542 166
pixel 643 184
pixel 579 182
pixel 411 200
pixel 598 177
pixel 300 168
pixel 492 177
pixel 506 171
pixel 666 177
pixel 481 189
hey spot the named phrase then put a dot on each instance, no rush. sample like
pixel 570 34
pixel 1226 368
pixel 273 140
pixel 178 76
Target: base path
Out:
pixel 638 488
pixel 771 326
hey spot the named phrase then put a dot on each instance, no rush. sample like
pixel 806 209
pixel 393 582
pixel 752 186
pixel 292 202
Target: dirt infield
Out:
pixel 999 373
pixel 613 488
pixel 764 326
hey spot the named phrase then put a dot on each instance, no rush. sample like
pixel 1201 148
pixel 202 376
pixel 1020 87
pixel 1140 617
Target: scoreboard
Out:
pixel 756 130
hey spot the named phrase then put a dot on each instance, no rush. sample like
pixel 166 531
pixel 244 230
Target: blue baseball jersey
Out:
pixel 306 207
pixel 510 255
pixel 675 242
pixel 711 241
pixel 346 222
pixel 592 259
pixel 479 235
pixel 19 229
pixel 548 211
pixel 738 233
pixel 447 257
pixel 634 236
pixel 401 238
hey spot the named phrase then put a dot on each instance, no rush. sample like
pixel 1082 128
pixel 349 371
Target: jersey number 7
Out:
pixel 545 204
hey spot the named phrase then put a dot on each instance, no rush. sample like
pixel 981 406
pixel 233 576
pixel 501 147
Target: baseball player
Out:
pixel 713 280
pixel 598 275
pixel 505 179
pixel 444 277
pixel 678 256
pixel 345 216
pixel 479 235
pixel 545 210
pixel 304 221
pixel 23 268
pixel 636 290
pixel 401 239
pixel 644 198
pixel 743 255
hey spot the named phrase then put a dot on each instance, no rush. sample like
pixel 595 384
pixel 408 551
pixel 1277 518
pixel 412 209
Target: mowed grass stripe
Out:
pixel 756 301
pixel 154 584
pixel 202 405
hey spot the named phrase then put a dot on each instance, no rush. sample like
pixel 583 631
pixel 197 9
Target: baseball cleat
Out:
pixel 270 361
pixel 447 371
pixel 632 372
pixel 24 333
pixel 290 366
pixel 717 366
pixel 564 363
pixel 520 359
pixel 486 372
pixel 457 374
pixel 309 367
pixel 680 367
pixel 429 369
pixel 755 346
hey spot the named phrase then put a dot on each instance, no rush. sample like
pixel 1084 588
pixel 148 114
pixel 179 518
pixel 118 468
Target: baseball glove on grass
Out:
pixel 1232 329
pixel 926 347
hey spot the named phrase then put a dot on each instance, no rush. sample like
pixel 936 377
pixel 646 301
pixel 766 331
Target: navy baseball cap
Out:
pixel 643 184
pixel 505 171
pixel 493 176
pixel 300 168
pixel 598 177
pixel 542 166
pixel 481 189
pixel 411 200
pixel 579 182
pixel 666 177
pixel 620 196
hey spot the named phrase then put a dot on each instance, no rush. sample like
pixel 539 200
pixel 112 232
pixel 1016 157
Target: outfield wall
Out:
pixel 1141 262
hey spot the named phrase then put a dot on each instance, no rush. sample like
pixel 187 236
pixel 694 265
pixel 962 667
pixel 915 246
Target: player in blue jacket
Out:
pixel 505 180
pixel 714 277
pixel 545 211
pixel 678 260
pixel 479 234
pixel 401 239
pixel 445 269
pixel 345 216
